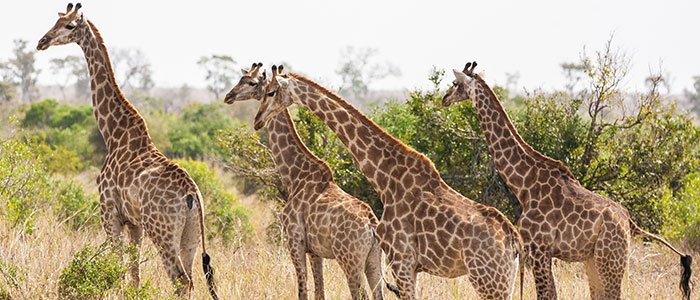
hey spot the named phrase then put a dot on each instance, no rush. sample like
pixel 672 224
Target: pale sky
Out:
pixel 529 37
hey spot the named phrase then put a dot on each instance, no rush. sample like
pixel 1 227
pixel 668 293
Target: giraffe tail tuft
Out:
pixel 209 274
pixel 394 289
pixel 686 262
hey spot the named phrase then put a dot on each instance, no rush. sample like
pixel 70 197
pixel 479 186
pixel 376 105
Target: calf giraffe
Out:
pixel 319 218
pixel 560 217
pixel 426 225
pixel 140 189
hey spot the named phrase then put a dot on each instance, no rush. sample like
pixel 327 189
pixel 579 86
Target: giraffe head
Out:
pixel 277 97
pixel 251 85
pixel 463 87
pixel 65 30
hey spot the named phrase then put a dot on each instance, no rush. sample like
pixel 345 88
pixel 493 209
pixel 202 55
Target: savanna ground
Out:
pixel 261 270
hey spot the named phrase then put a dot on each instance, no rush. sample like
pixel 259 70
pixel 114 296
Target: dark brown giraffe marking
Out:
pixel 319 218
pixel 560 217
pixel 426 225
pixel 140 189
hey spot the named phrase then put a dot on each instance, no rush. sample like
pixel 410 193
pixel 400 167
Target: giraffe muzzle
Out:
pixel 230 98
pixel 43 44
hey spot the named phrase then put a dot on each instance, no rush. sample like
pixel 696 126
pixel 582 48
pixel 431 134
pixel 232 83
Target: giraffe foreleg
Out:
pixel 297 252
pixel 542 271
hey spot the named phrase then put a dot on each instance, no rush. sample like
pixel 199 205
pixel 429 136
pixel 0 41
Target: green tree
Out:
pixel 220 70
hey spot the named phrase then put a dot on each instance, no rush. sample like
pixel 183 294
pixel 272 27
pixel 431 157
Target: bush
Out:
pixel 683 214
pixel 74 206
pixel 68 132
pixel 223 212
pixel 92 273
pixel 194 135
pixel 24 183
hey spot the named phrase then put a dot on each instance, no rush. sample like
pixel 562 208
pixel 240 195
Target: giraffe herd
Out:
pixel 426 225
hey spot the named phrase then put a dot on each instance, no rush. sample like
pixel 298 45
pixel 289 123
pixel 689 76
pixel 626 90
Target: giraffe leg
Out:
pixel 189 243
pixel 610 256
pixel 405 273
pixel 317 270
pixel 135 238
pixel 373 271
pixel 297 252
pixel 542 271
pixel 594 284
pixel 353 273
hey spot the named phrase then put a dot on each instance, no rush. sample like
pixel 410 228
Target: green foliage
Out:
pixel 194 135
pixel 74 206
pixel 23 183
pixel 684 212
pixel 248 157
pixel 92 273
pixel 68 134
pixel 12 274
pixel 229 219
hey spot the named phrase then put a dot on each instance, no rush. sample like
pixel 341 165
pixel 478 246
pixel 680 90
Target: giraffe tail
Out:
pixel 206 259
pixel 521 260
pixel 394 289
pixel 686 259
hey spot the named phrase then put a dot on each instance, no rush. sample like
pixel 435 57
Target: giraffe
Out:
pixel 319 218
pixel 426 225
pixel 560 217
pixel 140 189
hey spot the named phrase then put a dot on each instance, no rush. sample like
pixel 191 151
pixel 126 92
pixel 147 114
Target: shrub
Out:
pixel 195 134
pixel 23 183
pixel 74 206
pixel 92 273
pixel 223 212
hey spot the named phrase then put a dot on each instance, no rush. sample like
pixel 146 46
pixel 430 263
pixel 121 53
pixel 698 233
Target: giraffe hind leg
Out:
pixel 135 238
pixel 317 271
pixel 373 271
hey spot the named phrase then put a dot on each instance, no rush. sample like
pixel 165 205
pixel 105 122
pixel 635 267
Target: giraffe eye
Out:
pixel 271 94
pixel 70 27
pixel 454 83
pixel 252 83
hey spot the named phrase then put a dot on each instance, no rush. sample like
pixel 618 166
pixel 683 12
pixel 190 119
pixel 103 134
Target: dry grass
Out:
pixel 263 271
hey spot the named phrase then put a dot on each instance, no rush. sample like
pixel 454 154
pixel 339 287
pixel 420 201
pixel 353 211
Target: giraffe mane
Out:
pixel 363 119
pixel 110 75
pixel 528 149
pixel 304 149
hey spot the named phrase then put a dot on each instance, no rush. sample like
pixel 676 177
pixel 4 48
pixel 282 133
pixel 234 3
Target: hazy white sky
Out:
pixel 530 37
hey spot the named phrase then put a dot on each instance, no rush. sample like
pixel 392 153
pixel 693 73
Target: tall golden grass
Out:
pixel 260 270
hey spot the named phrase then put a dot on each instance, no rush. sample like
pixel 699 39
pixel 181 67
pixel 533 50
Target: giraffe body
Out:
pixel 426 226
pixel 141 191
pixel 319 218
pixel 560 217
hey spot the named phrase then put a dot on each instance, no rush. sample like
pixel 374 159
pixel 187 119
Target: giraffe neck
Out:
pixel 516 160
pixel 118 121
pixel 295 163
pixel 393 169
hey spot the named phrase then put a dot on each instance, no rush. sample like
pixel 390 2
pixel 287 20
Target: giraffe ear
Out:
pixel 61 14
pixel 482 74
pixel 459 75
pixel 244 72
pixel 264 75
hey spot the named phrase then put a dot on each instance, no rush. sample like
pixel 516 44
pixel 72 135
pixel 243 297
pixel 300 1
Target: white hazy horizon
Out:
pixel 531 38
